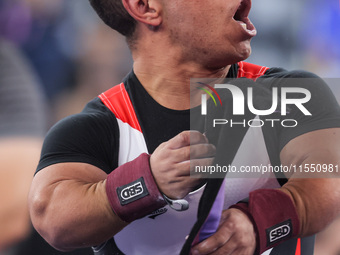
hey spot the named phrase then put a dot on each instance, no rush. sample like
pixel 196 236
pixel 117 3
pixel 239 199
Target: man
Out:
pixel 110 170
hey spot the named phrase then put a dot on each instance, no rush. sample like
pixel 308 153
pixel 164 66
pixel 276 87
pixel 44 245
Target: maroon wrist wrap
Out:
pixel 274 217
pixel 132 190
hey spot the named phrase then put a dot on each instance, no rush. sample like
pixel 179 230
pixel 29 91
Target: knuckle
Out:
pixel 161 147
pixel 230 225
pixel 212 149
pixel 235 215
pixel 186 152
pixel 242 240
pixel 197 137
pixel 209 150
pixel 185 166
pixel 219 240
pixel 195 133
pixel 210 161
pixel 183 138
pixel 246 240
pixel 238 228
pixel 163 144
pixel 176 173
pixel 171 156
pixel 202 149
pixel 207 161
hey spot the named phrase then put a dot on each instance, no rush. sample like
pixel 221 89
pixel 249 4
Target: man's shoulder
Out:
pixel 95 107
pixel 95 115
pixel 91 136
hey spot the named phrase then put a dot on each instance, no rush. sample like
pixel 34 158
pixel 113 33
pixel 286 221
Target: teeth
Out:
pixel 244 25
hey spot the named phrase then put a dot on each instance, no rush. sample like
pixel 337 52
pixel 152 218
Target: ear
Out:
pixel 144 11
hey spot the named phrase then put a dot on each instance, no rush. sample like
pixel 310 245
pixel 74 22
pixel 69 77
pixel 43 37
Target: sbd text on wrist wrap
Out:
pixel 132 190
pixel 273 215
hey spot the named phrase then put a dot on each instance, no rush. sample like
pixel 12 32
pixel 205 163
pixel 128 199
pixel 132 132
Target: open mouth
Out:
pixel 241 16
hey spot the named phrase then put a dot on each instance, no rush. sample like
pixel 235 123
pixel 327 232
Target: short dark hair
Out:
pixel 114 14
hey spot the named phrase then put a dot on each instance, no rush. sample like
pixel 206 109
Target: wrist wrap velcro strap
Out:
pixel 274 217
pixel 132 190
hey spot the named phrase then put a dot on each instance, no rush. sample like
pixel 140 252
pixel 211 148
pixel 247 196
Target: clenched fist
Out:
pixel 174 160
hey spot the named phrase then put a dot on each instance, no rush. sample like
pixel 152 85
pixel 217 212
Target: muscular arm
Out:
pixel 316 199
pixel 69 206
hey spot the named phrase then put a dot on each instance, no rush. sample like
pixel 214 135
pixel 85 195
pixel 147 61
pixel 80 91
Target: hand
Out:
pixel 235 235
pixel 172 162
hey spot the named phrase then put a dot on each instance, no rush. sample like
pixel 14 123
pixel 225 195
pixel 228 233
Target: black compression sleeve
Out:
pixel 91 137
pixel 323 106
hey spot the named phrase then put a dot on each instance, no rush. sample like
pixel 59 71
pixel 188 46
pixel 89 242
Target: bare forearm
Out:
pixel 316 202
pixel 70 214
pixel 316 195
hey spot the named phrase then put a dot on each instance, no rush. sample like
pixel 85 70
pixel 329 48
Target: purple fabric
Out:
pixel 211 224
pixel 15 21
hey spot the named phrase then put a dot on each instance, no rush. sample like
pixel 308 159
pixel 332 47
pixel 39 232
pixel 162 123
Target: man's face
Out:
pixel 215 32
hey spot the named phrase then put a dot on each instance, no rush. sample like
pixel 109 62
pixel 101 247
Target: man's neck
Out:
pixel 169 82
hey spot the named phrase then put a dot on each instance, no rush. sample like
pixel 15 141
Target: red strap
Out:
pixel 298 247
pixel 250 71
pixel 118 101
